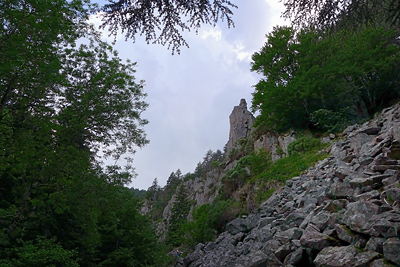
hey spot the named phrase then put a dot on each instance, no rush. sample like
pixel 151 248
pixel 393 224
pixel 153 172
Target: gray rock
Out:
pixel 323 219
pixel 375 244
pixel 344 233
pixel 282 252
pixel 344 199
pixel 393 195
pixel 358 140
pixel 358 216
pixel 336 205
pixel 296 257
pixel 339 190
pixel 192 257
pixel 384 227
pixel 294 219
pixel 374 194
pixel 265 221
pixel 372 150
pixel 394 150
pixel 313 239
pixel 370 130
pixel 291 234
pixel 391 250
pixel 382 168
pixel 241 120
pixel 360 182
pixel 393 177
pixel 271 246
pixel 243 248
pixel 344 257
pixel 237 226
pixel 380 263
pixel 260 259
pixel 210 246
pixel 179 262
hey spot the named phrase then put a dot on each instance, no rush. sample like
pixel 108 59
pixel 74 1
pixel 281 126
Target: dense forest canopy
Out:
pixel 337 64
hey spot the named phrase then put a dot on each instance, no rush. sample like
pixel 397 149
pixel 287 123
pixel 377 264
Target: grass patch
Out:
pixel 305 152
pixel 291 166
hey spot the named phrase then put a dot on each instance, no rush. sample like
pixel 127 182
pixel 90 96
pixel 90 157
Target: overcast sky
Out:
pixel 191 95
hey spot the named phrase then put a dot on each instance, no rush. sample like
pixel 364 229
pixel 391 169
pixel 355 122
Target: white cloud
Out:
pixel 212 32
pixel 191 95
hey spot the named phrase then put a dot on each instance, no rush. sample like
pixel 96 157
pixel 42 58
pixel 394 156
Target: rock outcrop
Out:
pixel 345 211
pixel 274 143
pixel 241 120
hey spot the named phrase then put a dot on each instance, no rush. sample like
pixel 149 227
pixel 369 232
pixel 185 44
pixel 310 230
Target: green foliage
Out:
pixel 60 104
pixel 246 167
pixel 199 229
pixel 179 213
pixel 243 147
pixel 39 252
pixel 305 144
pixel 350 75
pixel 329 120
pixel 305 153
pixel 339 14
pixel 265 194
pixel 221 212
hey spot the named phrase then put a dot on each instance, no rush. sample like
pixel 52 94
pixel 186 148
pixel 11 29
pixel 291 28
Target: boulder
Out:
pixel 391 250
pixel 380 263
pixel 282 252
pixel 344 233
pixel 315 240
pixel 260 259
pixel 347 256
pixel 375 244
pixel 359 215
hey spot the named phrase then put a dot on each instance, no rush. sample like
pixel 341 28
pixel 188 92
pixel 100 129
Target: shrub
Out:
pixel 304 144
pixel 328 120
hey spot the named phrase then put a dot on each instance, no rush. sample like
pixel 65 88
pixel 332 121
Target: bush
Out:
pixel 38 253
pixel 328 120
pixel 304 144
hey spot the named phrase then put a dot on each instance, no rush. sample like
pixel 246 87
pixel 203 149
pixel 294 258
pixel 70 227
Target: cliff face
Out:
pixel 345 211
pixel 204 189
pixel 241 120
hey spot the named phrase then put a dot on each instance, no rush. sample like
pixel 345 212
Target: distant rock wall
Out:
pixel 241 121
pixel 274 143
pixel 345 211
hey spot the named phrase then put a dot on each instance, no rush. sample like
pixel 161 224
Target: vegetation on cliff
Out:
pixel 321 74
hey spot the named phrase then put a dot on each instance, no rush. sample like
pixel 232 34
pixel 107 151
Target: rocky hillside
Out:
pixel 205 187
pixel 345 211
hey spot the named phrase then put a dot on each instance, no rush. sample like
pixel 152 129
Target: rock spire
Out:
pixel 241 120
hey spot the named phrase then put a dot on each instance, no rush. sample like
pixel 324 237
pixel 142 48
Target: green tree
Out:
pixel 347 71
pixel 62 104
pixel 179 213
pixel 342 13
pixel 199 229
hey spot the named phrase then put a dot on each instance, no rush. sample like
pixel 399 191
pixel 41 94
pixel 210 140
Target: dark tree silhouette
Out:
pixel 327 13
pixel 161 21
